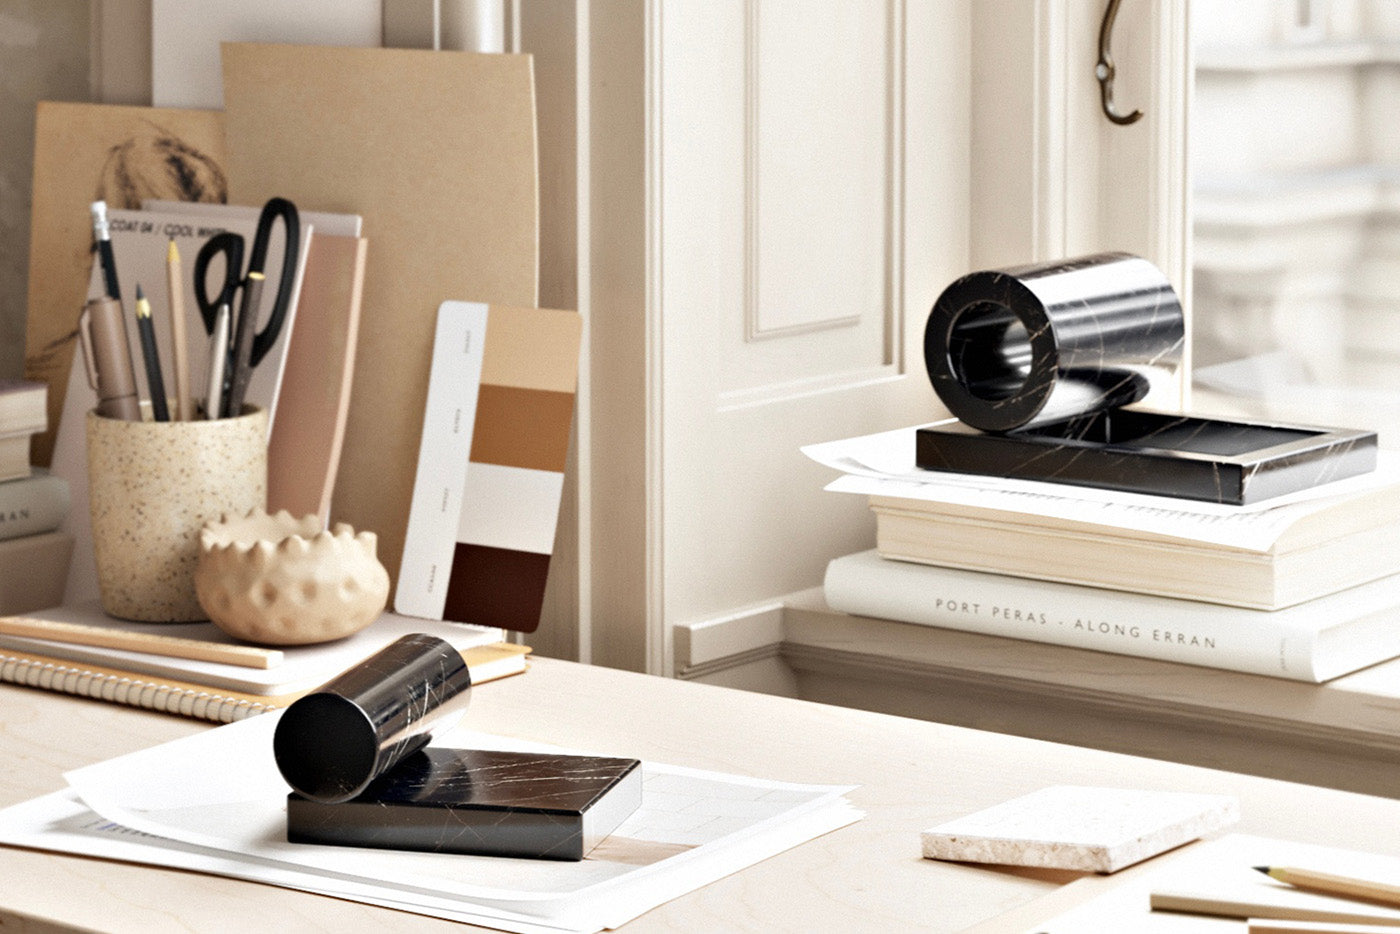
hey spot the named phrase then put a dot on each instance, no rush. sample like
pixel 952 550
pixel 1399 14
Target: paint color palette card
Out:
pixel 490 471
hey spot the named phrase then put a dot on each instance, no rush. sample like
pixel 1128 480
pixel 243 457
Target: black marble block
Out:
pixel 480 802
pixel 1149 452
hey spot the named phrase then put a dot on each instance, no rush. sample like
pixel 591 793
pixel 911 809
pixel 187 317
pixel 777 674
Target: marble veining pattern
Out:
pixel 1037 363
pixel 331 744
pixel 528 805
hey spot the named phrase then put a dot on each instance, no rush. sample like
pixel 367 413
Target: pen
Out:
pixel 1379 893
pixel 107 355
pixel 243 345
pixel 155 382
pixel 184 403
pixel 218 352
pixel 102 234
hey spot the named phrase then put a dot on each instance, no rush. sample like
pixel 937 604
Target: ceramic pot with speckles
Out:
pixel 151 488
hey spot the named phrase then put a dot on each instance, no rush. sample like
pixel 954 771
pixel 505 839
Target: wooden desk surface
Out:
pixel 867 876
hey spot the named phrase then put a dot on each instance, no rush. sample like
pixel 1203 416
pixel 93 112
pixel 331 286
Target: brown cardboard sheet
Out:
pixel 437 151
pixel 303 454
pixel 121 155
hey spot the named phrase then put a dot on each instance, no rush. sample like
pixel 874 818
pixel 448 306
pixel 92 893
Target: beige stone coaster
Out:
pixel 1077 827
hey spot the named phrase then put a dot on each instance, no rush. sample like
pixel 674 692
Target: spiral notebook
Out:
pixel 217 691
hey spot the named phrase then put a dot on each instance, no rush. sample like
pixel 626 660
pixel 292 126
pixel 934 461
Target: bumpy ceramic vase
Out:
pixel 285 581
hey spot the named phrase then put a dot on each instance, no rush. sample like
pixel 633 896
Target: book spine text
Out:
pixel 1253 641
pixel 33 505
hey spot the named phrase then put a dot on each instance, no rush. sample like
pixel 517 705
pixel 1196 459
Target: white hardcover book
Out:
pixel 32 505
pixel 1314 641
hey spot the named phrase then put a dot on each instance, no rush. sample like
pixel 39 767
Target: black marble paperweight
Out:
pixel 332 743
pixel 1235 463
pixel 1038 362
pixel 529 805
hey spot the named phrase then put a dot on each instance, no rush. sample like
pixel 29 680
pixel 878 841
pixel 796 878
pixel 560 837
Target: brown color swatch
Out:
pixel 437 151
pixel 89 152
pixel 496 587
pixel 522 428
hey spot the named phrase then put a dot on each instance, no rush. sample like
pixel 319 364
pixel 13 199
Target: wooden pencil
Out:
pixel 184 401
pixel 1326 883
pixel 245 656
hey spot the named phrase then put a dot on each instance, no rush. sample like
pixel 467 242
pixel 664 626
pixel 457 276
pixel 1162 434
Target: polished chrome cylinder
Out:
pixel 1035 345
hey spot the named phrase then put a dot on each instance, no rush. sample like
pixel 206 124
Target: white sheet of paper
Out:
pixel 1222 868
pixel 220 790
pixel 61 823
pixel 882 464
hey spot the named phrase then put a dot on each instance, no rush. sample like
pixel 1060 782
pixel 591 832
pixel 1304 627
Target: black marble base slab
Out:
pixel 530 805
pixel 1148 452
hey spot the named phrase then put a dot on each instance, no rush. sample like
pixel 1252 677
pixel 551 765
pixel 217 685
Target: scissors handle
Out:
pixel 230 246
pixel 291 223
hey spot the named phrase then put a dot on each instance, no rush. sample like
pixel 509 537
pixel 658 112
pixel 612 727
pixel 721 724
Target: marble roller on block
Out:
pixel 1037 362
pixel 357 755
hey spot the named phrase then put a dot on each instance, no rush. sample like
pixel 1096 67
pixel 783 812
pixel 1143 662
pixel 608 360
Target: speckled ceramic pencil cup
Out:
pixel 151 488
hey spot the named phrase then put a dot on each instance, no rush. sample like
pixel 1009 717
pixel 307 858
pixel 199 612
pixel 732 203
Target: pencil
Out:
pixel 102 234
pixel 184 402
pixel 218 354
pixel 1270 926
pixel 245 656
pixel 243 345
pixel 1379 893
pixel 154 381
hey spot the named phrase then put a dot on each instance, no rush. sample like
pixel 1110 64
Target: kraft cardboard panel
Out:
pixel 121 155
pixel 303 454
pixel 437 151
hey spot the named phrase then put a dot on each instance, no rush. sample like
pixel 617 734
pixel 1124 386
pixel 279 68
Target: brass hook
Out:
pixel 1104 71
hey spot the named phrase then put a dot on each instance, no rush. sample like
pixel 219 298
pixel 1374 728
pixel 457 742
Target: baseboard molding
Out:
pixel 739 638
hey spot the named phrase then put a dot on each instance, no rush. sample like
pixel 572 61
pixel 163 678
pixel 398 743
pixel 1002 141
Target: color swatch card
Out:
pixel 490 471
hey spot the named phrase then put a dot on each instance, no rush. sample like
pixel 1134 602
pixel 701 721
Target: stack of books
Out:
pixel 34 555
pixel 1306 589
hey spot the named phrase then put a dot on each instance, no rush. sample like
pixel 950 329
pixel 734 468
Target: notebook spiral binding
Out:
pixel 134 692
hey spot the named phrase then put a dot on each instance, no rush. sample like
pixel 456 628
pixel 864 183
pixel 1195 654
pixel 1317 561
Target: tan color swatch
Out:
pixel 437 151
pixel 90 152
pixel 533 348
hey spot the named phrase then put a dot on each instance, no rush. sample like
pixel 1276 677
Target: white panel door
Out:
pixel 803 196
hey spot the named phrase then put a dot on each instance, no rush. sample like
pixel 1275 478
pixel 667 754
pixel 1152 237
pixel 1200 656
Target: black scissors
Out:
pixel 248 346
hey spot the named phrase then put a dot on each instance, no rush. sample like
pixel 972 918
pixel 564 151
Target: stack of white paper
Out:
pixel 883 464
pixel 215 802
